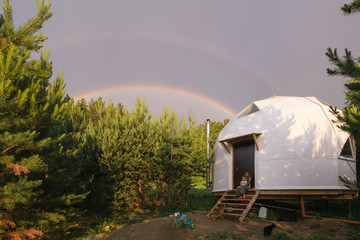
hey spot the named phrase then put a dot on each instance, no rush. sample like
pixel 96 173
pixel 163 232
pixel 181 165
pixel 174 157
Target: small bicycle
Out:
pixel 184 221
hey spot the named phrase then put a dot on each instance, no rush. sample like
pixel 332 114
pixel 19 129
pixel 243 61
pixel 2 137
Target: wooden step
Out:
pixel 233 214
pixel 234 195
pixel 235 209
pixel 250 190
pixel 251 202
pixel 236 204
pixel 248 197
pixel 235 200
pixel 231 195
pixel 239 207
pixel 217 204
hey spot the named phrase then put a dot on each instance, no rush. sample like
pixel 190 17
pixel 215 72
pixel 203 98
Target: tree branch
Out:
pixel 9 148
pixel 21 33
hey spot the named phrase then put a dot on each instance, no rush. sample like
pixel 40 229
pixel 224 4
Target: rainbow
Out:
pixel 186 92
pixel 194 44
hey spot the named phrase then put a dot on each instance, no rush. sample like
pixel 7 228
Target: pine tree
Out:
pixel 349 67
pixel 352 7
pixel 31 132
pixel 197 136
pixel 140 155
pixel 90 120
pixel 102 145
pixel 174 153
pixel 123 145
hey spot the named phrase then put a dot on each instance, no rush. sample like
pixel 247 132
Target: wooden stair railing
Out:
pixel 236 207
pixel 249 205
pixel 217 204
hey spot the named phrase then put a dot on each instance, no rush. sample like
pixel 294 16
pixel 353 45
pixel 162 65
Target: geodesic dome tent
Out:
pixel 286 143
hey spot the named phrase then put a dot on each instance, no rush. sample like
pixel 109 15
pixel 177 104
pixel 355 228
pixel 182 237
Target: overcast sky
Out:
pixel 234 52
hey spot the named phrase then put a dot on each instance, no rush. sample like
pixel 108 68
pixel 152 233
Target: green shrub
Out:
pixel 271 215
pixel 317 215
pixel 357 237
pixel 281 236
pixel 225 235
pixel 198 182
pixel 201 199
pixel 319 237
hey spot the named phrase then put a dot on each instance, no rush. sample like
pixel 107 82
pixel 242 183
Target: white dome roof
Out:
pixel 299 145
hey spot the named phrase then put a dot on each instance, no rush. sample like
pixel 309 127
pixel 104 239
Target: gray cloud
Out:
pixel 232 51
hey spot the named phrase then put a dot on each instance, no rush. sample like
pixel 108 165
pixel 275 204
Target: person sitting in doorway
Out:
pixel 239 190
pixel 248 178
pixel 244 186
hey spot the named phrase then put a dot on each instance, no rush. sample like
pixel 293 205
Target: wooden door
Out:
pixel 243 161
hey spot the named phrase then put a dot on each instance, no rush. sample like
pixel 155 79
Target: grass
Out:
pixel 272 215
pixel 319 237
pixel 199 197
pixel 281 236
pixel 225 235
pixel 285 236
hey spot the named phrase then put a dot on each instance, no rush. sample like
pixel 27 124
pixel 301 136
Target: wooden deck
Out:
pixel 307 194
pixel 240 208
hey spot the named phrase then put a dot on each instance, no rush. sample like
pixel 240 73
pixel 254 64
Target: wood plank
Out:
pixel 242 138
pixel 295 191
pixel 295 197
pixel 235 200
pixel 226 147
pixel 279 197
pixel 249 195
pixel 242 218
pixel 233 214
pixel 302 192
pixel 236 209
pixel 255 141
pixel 235 204
pixel 217 194
pixel 234 195
pixel 216 204
pixel 344 197
pixel 309 194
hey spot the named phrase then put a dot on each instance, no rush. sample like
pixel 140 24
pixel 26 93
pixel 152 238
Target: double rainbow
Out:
pixel 160 88
pixel 185 42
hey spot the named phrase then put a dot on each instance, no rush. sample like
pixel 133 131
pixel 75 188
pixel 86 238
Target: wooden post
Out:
pixel 226 147
pixel 349 208
pixel 302 205
pixel 255 141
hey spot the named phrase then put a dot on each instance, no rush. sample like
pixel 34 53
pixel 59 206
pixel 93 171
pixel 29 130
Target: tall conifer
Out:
pixel 31 114
pixel 349 67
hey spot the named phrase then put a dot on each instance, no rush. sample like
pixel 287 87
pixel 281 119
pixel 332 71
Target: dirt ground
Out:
pixel 163 229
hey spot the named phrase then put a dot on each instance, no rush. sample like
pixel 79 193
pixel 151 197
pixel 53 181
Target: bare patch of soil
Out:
pixel 163 229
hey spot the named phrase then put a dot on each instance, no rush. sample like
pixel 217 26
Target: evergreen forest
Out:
pixel 65 162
